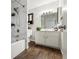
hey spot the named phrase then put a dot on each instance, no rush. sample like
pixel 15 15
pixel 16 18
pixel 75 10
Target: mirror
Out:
pixel 49 20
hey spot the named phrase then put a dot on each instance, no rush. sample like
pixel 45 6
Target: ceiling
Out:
pixel 35 3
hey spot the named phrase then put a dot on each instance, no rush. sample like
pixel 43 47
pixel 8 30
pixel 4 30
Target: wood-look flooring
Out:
pixel 39 52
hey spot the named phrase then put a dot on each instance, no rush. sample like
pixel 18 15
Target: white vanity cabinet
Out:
pixel 40 38
pixel 48 38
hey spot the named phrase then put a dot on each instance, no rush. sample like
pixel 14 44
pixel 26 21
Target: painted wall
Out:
pixel 64 2
pixel 64 44
pixel 37 14
pixel 20 21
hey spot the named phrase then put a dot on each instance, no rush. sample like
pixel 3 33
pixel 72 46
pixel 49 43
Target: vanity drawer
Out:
pixel 40 38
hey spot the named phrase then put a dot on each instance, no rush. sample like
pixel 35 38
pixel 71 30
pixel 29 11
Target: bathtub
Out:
pixel 17 47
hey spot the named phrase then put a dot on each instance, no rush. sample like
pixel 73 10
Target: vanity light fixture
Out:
pixel 47 12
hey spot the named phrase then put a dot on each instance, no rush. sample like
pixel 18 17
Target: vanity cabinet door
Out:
pixel 53 39
pixel 40 38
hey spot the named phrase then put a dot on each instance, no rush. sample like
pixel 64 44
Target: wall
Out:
pixel 20 20
pixel 37 14
pixel 64 45
pixel 64 2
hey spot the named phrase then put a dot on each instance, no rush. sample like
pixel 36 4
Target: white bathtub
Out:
pixel 17 47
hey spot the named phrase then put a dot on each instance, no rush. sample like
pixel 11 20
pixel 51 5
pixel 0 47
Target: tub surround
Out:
pixel 19 21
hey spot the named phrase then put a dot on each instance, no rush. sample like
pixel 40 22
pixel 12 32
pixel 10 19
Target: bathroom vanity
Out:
pixel 50 35
pixel 48 38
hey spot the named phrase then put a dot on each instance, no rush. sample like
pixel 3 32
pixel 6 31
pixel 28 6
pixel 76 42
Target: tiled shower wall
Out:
pixel 20 21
